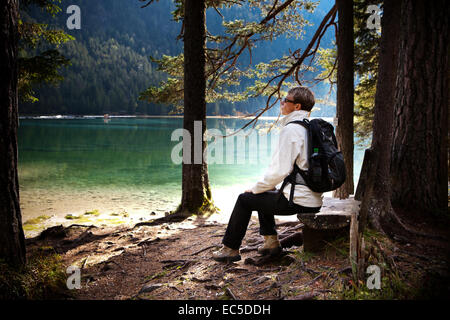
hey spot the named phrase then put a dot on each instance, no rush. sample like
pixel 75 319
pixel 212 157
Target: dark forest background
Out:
pixel 111 65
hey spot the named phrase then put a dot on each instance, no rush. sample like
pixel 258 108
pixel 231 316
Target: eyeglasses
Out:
pixel 287 100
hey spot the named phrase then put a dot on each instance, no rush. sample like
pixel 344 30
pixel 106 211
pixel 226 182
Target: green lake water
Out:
pixel 126 164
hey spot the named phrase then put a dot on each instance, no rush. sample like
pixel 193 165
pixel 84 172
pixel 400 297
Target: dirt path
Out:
pixel 173 261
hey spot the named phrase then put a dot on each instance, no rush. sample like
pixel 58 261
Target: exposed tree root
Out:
pixel 383 218
pixel 415 232
pixel 171 218
pixel 181 214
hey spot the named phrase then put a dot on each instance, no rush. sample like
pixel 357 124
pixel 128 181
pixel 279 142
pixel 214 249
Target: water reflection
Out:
pixel 130 156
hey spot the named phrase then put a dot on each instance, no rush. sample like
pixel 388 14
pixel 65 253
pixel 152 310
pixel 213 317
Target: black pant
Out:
pixel 267 204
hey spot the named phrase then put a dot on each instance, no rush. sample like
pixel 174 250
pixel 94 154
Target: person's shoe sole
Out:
pixel 270 251
pixel 227 259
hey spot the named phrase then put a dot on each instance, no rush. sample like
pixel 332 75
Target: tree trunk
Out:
pixel 419 157
pixel 12 240
pixel 376 204
pixel 196 193
pixel 344 112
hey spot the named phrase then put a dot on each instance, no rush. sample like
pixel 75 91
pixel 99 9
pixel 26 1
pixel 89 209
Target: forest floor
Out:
pixel 173 261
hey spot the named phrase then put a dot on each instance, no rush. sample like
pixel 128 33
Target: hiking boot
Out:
pixel 271 246
pixel 226 254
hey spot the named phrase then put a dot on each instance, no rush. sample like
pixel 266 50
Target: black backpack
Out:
pixel 326 170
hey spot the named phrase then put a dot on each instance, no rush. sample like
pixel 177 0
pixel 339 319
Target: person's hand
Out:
pixel 249 190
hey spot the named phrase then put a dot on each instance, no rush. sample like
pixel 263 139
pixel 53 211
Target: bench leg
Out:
pixel 315 240
pixel 295 239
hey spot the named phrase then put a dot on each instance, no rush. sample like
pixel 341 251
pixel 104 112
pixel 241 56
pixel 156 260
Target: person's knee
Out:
pixel 244 197
pixel 241 197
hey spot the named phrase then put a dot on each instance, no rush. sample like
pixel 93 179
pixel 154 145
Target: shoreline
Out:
pixel 47 208
pixel 131 116
pixel 103 211
pixel 87 117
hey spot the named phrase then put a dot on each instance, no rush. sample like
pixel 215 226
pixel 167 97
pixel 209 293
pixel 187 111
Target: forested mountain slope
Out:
pixel 110 57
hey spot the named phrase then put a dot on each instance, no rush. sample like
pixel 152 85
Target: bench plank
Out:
pixel 332 221
pixel 335 214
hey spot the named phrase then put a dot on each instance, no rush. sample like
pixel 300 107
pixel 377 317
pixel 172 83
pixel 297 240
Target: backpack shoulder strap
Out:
pixel 306 124
pixel 291 178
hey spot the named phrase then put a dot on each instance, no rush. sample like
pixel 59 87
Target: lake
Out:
pixel 70 166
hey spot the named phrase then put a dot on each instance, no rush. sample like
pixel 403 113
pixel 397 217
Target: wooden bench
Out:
pixel 331 222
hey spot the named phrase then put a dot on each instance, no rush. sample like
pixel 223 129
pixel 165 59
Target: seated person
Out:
pixel 263 197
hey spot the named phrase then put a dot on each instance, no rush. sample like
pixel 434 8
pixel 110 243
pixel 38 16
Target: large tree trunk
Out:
pixel 419 157
pixel 344 112
pixel 196 194
pixel 12 240
pixel 376 205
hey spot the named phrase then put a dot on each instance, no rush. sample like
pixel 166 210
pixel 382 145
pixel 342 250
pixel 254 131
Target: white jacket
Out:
pixel 292 146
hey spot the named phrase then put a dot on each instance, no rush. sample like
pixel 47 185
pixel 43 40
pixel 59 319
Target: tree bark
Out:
pixel 419 167
pixel 12 239
pixel 376 205
pixel 345 90
pixel 196 193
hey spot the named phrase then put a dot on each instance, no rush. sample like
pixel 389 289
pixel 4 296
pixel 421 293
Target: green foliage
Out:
pixel 33 35
pixel 366 67
pixel 392 286
pixel 43 277
pixel 340 245
pixel 170 91
pixel 228 76
pixel 50 6
pixel 327 60
pixel 302 256
pixel 43 68
pixel 39 61
pixel 364 109
pixel 396 282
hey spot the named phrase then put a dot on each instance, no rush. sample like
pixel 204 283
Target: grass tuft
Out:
pixel 43 277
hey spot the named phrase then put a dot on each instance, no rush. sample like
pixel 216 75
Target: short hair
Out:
pixel 304 96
